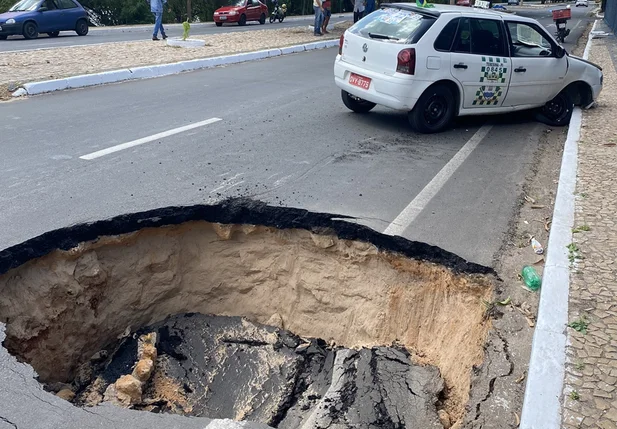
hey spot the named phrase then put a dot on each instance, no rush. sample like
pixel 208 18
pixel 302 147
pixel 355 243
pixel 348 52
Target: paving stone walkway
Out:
pixel 590 393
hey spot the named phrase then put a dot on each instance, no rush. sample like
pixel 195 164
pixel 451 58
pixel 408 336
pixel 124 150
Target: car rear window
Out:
pixel 393 25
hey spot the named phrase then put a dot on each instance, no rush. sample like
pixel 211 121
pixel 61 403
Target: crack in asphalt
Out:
pixel 7 421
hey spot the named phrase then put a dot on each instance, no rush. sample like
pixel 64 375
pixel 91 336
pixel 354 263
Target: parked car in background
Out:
pixel 439 63
pixel 29 18
pixel 513 2
pixel 463 3
pixel 582 3
pixel 241 12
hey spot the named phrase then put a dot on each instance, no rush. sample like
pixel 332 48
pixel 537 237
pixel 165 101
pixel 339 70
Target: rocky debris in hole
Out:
pixel 228 367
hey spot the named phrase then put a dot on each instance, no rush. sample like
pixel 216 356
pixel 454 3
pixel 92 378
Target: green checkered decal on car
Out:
pixel 487 96
pixel 494 69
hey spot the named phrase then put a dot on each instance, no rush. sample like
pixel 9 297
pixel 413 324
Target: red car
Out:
pixel 241 11
pixel 463 2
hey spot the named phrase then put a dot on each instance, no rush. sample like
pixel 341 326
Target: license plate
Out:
pixel 359 81
pixel 223 18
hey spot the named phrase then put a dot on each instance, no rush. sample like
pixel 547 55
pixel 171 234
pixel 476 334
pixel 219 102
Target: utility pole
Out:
pixel 188 10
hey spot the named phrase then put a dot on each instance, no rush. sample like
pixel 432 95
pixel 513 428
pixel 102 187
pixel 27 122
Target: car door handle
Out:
pixel 460 66
pixel 520 70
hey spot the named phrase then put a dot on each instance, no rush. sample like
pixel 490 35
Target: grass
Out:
pixel 579 366
pixel 573 252
pixel 582 228
pixel 574 395
pixel 580 325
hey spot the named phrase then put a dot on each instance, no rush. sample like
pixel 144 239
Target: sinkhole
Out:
pixel 246 311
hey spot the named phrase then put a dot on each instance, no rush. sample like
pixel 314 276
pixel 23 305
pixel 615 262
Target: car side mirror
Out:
pixel 560 52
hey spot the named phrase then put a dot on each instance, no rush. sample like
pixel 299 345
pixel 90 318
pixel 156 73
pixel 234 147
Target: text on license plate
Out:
pixel 359 81
pixel 223 18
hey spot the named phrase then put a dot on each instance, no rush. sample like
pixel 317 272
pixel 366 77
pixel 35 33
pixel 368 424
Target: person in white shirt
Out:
pixel 318 7
pixel 358 9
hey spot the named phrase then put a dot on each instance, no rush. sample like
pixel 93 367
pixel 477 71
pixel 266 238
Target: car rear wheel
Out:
pixel 434 110
pixel 242 20
pixel 558 111
pixel 54 34
pixel 262 19
pixel 30 30
pixel 356 104
pixel 219 24
pixel 82 27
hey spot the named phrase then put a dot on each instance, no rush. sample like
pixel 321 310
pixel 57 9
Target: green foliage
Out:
pixel 187 27
pixel 6 5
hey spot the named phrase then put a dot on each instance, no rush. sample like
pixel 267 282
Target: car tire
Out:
pixel 3 37
pixel 434 110
pixel 242 20
pixel 30 30
pixel 219 24
pixel 262 19
pixel 557 112
pixel 356 104
pixel 53 34
pixel 81 28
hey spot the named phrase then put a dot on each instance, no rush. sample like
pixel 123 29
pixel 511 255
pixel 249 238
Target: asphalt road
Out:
pixel 284 137
pixel 111 35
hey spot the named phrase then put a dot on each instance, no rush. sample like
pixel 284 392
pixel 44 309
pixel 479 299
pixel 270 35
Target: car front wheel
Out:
pixel 242 20
pixel 558 111
pixel 434 110
pixel 82 27
pixel 3 37
pixel 262 19
pixel 219 24
pixel 356 104
pixel 30 30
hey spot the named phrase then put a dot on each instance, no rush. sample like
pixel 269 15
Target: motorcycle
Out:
pixel 561 17
pixel 279 12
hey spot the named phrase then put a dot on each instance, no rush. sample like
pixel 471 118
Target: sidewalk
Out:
pixel 590 395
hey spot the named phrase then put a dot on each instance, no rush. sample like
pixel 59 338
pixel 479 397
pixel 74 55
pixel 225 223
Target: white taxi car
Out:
pixel 582 3
pixel 447 61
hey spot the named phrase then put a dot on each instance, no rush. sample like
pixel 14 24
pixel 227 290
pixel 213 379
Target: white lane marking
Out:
pixel 148 139
pixel 226 186
pixel 415 207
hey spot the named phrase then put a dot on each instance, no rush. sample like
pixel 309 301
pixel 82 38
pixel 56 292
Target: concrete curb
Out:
pixel 35 88
pixel 542 402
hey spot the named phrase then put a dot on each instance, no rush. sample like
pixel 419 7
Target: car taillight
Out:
pixel 340 44
pixel 406 61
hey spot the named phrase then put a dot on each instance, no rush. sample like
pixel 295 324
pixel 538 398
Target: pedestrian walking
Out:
pixel 327 11
pixel 358 10
pixel 319 14
pixel 157 7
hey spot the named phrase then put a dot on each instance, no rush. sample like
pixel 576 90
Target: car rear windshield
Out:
pixel 393 25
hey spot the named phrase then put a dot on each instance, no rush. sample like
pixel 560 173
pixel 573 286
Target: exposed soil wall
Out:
pixel 63 307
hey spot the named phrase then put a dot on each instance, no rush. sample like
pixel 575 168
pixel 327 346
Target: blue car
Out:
pixel 31 17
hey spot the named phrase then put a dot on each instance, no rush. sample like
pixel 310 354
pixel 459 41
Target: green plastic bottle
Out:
pixel 531 278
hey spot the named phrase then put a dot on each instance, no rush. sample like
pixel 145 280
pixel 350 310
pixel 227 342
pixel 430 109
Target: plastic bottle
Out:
pixel 536 246
pixel 531 278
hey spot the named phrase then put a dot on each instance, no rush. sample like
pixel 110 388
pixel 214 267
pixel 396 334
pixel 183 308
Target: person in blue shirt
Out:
pixel 157 7
pixel 370 7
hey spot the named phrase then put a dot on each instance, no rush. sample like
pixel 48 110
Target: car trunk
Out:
pixel 371 54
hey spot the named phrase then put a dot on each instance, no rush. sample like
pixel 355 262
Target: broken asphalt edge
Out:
pixel 239 211
pixel 543 392
pixel 160 70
